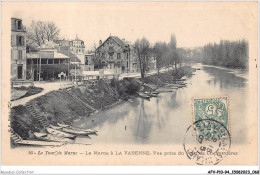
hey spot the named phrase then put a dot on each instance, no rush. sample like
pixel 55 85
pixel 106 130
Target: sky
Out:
pixel 194 24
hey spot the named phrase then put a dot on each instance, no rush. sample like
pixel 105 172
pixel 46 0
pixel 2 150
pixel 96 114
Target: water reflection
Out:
pixel 142 125
pixel 164 120
pixel 225 78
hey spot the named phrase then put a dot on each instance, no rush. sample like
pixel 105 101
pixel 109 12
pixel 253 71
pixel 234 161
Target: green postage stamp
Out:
pixel 211 108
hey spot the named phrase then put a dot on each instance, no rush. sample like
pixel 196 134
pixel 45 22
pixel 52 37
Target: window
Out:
pixel 20 54
pixel 86 62
pixel 28 61
pixel 56 61
pixel 103 55
pixel 50 61
pixel 19 25
pixel 118 55
pixel 19 40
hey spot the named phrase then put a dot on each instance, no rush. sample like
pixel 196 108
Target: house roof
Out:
pixel 56 55
pixel 65 50
pixel 118 41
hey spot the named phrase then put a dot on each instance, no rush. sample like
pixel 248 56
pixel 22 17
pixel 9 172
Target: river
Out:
pixel 165 119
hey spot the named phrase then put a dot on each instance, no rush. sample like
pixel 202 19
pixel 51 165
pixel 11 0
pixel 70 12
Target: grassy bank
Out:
pixel 31 90
pixel 171 76
pixel 59 106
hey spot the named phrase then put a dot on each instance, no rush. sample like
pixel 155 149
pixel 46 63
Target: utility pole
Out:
pixel 40 64
pixel 75 72
pixel 68 62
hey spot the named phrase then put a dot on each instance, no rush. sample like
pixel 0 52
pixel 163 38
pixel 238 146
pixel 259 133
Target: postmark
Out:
pixel 207 142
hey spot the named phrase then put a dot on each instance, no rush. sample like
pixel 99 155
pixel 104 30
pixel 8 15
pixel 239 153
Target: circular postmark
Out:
pixel 207 142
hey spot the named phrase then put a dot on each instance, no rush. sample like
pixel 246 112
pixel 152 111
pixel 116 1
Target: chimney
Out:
pixel 100 42
pixel 123 39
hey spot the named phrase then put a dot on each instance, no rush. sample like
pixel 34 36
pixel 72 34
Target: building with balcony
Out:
pixel 18 50
pixel 116 55
pixel 48 63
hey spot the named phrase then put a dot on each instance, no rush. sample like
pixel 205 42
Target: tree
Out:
pixel 227 53
pixel 51 31
pixel 174 58
pixel 143 50
pixel 41 32
pixel 160 53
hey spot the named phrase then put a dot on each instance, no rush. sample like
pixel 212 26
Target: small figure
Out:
pixel 125 127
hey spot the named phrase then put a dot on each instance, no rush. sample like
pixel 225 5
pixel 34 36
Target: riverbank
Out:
pixel 61 107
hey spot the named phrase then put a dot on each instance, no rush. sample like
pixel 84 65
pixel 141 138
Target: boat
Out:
pixel 143 95
pixel 59 133
pixel 155 92
pixel 90 131
pixel 55 127
pixel 51 137
pixel 62 125
pixel 153 95
pixel 166 90
pixel 39 143
pixel 131 100
pixel 74 131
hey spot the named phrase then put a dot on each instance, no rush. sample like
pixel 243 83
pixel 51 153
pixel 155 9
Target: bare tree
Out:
pixel 51 31
pixel 142 48
pixel 36 33
pixel 39 32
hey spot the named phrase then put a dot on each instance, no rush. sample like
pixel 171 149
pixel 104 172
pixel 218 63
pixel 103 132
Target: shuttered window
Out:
pixel 20 54
pixel 20 40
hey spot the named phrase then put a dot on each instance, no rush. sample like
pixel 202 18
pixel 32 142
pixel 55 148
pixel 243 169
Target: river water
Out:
pixel 165 119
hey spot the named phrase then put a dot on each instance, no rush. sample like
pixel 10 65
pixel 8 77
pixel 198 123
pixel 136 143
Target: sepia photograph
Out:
pixel 129 83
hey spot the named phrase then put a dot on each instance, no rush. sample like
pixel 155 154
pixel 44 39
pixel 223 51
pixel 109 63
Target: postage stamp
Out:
pixel 211 108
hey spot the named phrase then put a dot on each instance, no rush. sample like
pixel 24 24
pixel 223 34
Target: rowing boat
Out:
pixel 74 131
pixel 62 125
pixel 59 133
pixel 143 95
pixel 55 127
pixel 51 137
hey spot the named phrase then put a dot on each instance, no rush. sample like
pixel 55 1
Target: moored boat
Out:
pixel 62 125
pixel 55 127
pixel 131 100
pixel 59 133
pixel 143 95
pixel 51 137
pixel 74 131
pixel 155 92
pixel 153 95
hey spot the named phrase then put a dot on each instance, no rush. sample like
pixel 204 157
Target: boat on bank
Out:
pixel 55 127
pixel 60 133
pixel 51 137
pixel 143 95
pixel 75 131
pixel 62 125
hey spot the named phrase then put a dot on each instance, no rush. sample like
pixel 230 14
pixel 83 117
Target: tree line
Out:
pixel 165 54
pixel 232 54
